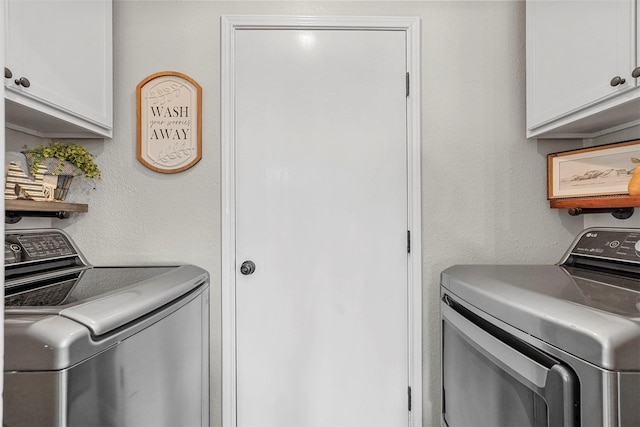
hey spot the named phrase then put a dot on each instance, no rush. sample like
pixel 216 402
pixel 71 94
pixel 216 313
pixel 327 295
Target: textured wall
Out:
pixel 484 184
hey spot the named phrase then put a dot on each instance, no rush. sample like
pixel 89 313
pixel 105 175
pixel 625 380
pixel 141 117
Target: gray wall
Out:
pixel 484 184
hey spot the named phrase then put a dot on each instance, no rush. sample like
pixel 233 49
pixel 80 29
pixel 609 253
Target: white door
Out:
pixel 321 210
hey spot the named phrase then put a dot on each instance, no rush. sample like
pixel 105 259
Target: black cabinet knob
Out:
pixel 7 73
pixel 635 73
pixel 23 81
pixel 617 80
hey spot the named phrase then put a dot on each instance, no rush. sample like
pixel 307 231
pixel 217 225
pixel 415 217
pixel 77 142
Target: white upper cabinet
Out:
pixel 581 58
pixel 59 55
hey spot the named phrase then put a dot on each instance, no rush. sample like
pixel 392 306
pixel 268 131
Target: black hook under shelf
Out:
pixel 619 213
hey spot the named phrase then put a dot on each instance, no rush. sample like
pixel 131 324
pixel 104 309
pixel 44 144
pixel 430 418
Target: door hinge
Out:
pixel 407 84
pixel 408 241
pixel 409 393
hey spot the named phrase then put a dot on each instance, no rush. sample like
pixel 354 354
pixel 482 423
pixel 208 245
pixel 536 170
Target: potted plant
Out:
pixel 63 160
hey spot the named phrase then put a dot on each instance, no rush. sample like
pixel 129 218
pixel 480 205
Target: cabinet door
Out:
pixel 64 49
pixel 574 49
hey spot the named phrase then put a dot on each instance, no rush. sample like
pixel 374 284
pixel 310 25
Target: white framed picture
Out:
pixel 596 171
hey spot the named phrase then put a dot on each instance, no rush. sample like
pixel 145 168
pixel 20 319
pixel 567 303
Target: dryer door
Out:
pixel 491 378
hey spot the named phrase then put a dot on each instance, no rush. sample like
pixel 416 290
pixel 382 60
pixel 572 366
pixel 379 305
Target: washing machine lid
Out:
pixel 106 298
pixel 123 302
pixel 70 289
pixel 45 274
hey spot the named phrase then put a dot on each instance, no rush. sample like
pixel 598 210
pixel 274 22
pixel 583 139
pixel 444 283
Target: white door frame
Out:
pixel 229 24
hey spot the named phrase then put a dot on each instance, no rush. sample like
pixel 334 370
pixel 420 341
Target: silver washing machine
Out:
pixel 101 346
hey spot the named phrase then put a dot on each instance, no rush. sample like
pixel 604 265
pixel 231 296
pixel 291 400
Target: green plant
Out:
pixel 75 154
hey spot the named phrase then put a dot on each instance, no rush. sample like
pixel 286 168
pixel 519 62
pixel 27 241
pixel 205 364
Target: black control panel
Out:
pixel 24 247
pixel 622 245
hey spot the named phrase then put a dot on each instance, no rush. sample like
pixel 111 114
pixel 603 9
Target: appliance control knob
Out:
pixel 637 247
pixel 8 74
pixel 635 73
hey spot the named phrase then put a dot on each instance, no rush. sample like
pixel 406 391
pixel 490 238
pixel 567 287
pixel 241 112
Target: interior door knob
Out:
pixel 247 267
pixel 635 73
pixel 617 80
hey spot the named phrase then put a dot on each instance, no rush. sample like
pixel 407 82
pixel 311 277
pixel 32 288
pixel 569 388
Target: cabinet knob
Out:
pixel 636 73
pixel 7 73
pixel 23 81
pixel 617 80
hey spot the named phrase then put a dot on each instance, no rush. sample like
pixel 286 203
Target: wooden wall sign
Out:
pixel 169 119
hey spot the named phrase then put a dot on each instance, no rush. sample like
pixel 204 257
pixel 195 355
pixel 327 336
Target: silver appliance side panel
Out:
pixel 157 377
pixel 22 389
pixel 629 390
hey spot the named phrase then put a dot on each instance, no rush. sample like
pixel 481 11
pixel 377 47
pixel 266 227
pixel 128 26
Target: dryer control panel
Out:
pixel 609 244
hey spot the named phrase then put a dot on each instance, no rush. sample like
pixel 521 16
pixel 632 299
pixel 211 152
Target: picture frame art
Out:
pixel 592 172
pixel 169 122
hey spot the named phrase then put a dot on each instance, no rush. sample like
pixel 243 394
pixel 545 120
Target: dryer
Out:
pixel 545 345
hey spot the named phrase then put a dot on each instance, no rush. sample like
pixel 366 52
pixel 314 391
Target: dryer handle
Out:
pixel 553 381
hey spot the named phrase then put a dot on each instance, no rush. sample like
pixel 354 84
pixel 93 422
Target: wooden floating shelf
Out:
pixel 621 207
pixel 15 210
pixel 33 206
pixel 596 202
